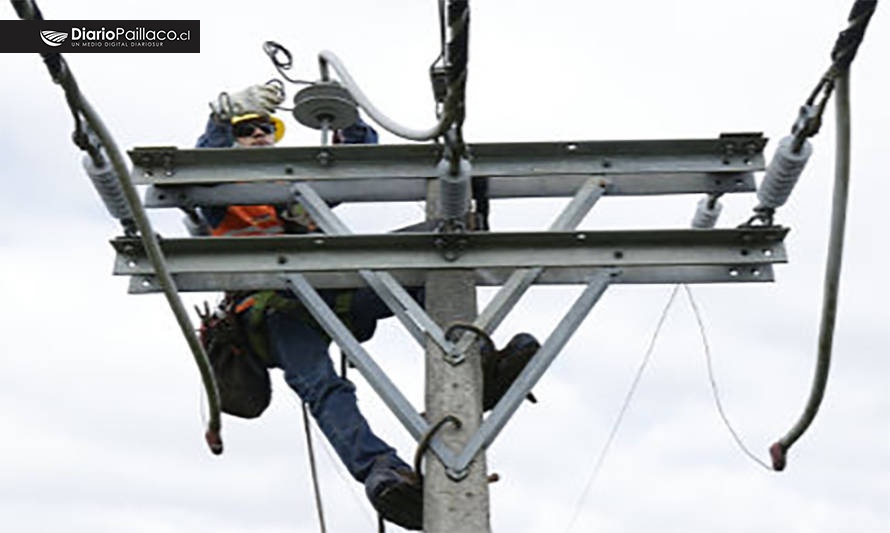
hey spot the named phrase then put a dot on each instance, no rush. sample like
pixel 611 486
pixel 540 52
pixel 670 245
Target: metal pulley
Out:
pixel 325 105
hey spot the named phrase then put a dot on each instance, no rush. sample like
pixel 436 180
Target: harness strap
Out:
pixel 262 302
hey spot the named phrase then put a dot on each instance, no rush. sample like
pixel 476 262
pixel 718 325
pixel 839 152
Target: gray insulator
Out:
pixel 325 105
pixel 109 188
pixel 455 189
pixel 782 173
pixel 705 215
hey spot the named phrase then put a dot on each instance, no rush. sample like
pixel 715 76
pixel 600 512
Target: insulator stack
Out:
pixel 455 189
pixel 109 188
pixel 782 173
pixel 707 213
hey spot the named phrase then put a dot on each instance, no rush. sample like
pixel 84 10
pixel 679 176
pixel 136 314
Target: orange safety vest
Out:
pixel 246 220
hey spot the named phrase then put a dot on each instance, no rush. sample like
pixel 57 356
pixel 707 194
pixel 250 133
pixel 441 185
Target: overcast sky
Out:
pixel 100 402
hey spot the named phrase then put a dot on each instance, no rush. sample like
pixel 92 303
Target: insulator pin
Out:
pixel 195 227
pixel 108 186
pixel 782 173
pixel 707 213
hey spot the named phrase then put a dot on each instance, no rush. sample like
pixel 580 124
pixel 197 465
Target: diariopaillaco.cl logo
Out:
pixel 125 37
pixel 101 36
pixel 52 37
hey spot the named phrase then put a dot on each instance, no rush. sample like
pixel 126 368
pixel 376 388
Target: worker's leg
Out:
pixel 302 352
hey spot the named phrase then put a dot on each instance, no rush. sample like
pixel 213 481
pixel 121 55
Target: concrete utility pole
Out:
pixel 451 506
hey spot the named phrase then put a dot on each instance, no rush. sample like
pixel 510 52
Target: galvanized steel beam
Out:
pixel 664 256
pixel 363 173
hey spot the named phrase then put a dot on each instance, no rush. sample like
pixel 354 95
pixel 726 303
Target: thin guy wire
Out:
pixel 311 452
pixel 627 399
pixel 714 390
pixel 336 465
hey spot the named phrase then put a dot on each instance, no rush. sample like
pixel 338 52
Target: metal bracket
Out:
pixel 451 245
pixel 152 159
pixel 744 145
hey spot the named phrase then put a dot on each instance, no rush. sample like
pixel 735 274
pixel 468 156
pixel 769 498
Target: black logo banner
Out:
pixel 71 36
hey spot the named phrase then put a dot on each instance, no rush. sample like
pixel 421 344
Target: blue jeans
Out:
pixel 300 348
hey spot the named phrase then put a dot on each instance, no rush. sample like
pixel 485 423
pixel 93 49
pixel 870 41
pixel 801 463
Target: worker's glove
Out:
pixel 261 99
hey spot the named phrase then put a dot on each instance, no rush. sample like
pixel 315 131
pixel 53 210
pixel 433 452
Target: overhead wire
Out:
pixel 81 107
pixel 842 56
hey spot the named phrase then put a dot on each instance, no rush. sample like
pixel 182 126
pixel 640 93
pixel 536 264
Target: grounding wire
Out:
pixel 714 390
pixel 627 399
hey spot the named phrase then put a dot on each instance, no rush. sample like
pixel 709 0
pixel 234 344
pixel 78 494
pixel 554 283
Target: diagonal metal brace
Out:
pixel 376 377
pixel 530 375
pixel 521 279
pixel 406 309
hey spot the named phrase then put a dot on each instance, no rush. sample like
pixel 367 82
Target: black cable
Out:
pixel 809 119
pixel 848 41
pixel 275 52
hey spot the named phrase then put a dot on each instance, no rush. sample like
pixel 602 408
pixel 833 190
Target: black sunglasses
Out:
pixel 246 129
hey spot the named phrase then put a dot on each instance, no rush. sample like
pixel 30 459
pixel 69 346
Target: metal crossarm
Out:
pixel 569 257
pixel 361 173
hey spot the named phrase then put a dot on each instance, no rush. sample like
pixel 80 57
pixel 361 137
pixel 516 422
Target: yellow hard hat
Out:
pixel 279 125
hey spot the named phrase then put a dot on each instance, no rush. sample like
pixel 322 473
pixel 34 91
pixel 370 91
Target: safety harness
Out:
pixel 262 303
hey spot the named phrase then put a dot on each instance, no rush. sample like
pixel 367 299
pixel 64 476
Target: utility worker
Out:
pixel 296 343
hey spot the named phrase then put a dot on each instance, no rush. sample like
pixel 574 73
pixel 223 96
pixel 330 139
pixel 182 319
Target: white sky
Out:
pixel 100 425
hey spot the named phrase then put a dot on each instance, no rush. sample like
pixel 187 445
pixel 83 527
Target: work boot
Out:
pixel 396 492
pixel 501 368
